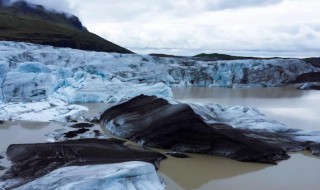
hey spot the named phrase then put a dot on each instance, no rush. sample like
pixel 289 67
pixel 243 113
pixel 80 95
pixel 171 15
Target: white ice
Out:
pixel 120 176
pixel 40 111
pixel 251 119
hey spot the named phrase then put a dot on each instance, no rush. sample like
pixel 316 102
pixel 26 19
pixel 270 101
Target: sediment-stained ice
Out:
pixel 120 176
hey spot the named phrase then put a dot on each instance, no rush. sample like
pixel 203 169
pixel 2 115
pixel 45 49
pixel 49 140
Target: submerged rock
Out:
pixel 70 120
pixel 32 161
pixel 72 134
pixel 82 125
pixel 65 134
pixel 154 122
pixel 94 120
pixel 136 175
pixel 177 154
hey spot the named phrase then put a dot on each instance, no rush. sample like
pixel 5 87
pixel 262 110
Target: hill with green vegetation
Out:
pixel 218 56
pixel 26 22
pixel 315 61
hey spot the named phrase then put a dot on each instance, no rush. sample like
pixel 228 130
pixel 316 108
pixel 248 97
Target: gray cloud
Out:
pixel 234 4
pixel 57 5
pixel 187 27
pixel 122 10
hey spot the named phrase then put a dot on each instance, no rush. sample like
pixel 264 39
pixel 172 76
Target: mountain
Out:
pixel 25 22
pixel 218 56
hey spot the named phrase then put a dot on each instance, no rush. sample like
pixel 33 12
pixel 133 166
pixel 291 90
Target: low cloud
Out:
pixel 57 5
pixel 235 4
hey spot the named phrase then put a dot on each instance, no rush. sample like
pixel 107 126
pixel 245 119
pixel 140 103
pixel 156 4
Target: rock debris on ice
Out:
pixel 120 176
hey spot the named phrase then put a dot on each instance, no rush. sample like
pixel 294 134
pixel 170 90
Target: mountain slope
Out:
pixel 33 23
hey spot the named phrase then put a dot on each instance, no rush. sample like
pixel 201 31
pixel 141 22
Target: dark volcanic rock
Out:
pixel 315 148
pixel 72 134
pixel 315 87
pixel 153 122
pixel 82 125
pixel 94 120
pixel 70 120
pixel 31 161
pixel 308 77
pixel 1 122
pixel 2 168
pixel 177 154
pixel 309 86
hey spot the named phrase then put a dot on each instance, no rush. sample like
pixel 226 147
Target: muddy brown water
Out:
pixel 296 109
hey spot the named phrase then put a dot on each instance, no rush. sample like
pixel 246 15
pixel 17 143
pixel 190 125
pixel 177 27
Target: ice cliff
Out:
pixel 30 72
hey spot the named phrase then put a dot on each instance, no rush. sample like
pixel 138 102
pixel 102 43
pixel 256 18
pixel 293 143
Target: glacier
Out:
pixel 43 83
pixel 121 176
pixel 30 72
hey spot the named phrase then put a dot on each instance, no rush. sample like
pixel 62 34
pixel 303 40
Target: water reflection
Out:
pixel 299 172
pixel 33 125
pixel 205 92
pixel 15 132
pixel 294 108
pixel 95 109
pixel 201 169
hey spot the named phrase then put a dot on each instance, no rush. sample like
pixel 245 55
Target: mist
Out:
pixel 62 6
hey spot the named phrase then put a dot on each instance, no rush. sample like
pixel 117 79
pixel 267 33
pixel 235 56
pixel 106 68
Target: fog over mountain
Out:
pixel 58 5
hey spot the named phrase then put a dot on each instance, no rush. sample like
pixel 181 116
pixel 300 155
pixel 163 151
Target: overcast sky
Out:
pixel 187 27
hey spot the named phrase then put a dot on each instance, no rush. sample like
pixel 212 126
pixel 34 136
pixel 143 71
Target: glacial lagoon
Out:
pixel 294 108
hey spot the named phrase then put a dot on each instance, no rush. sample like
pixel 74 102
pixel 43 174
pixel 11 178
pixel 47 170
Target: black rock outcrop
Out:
pixel 308 77
pixel 82 125
pixel 154 122
pixel 31 161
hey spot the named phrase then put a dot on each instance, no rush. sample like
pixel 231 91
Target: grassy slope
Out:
pixel 218 56
pixel 30 29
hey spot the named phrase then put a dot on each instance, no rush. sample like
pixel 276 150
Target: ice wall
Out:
pixel 32 72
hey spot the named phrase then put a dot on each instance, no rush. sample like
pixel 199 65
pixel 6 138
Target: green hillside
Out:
pixel 218 56
pixel 23 23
